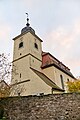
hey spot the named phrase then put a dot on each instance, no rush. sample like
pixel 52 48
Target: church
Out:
pixel 36 72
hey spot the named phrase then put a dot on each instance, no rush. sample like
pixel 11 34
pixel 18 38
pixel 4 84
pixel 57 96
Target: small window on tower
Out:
pixel 20 75
pixel 20 54
pixel 20 44
pixel 67 80
pixel 35 45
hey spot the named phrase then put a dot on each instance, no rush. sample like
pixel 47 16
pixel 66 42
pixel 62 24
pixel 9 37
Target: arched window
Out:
pixel 62 82
pixel 35 45
pixel 20 44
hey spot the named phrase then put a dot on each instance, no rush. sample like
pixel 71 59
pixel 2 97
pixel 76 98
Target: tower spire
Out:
pixel 27 21
pixel 27 28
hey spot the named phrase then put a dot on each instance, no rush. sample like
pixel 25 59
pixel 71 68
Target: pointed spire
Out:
pixel 27 21
pixel 27 28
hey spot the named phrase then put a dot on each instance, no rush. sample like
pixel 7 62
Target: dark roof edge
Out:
pixel 25 33
pixel 4 82
pixel 58 89
pixel 43 67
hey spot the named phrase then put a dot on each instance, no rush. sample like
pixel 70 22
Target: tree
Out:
pixel 7 72
pixel 73 86
pixel 5 67
pixel 5 75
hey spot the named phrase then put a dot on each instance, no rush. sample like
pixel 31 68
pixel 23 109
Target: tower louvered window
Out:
pixel 21 44
pixel 35 45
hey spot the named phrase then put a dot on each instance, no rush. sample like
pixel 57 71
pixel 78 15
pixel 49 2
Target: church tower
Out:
pixel 29 76
pixel 27 54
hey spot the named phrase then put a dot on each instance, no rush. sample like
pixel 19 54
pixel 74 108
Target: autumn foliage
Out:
pixel 73 86
pixel 5 75
pixel 4 89
pixel 4 92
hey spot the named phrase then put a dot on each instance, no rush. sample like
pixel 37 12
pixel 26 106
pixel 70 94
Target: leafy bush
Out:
pixel 74 86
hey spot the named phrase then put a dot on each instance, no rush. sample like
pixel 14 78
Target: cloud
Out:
pixel 5 38
pixel 4 32
pixel 64 42
pixel 30 3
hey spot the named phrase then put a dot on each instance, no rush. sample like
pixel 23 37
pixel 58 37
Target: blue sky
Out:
pixel 57 22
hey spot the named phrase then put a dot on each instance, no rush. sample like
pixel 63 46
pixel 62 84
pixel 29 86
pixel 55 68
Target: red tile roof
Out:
pixel 49 60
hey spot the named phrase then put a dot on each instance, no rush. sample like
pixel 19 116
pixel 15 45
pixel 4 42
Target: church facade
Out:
pixel 36 72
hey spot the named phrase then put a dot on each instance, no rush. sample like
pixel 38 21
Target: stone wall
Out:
pixel 48 107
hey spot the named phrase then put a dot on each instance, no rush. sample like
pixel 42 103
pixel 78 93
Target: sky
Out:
pixel 56 22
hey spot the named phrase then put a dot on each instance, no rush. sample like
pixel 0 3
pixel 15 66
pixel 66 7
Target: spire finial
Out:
pixel 27 21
